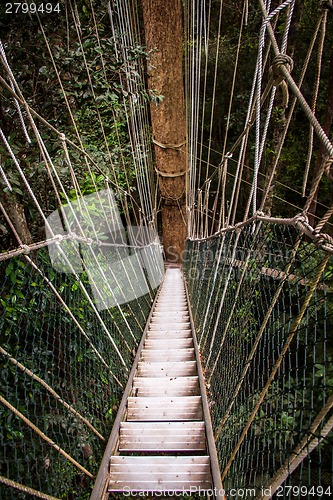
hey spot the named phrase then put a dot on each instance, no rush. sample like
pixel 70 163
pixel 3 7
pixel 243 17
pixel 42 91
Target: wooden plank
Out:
pixel 171 308
pixel 175 315
pixel 175 473
pixel 172 298
pixel 169 325
pixel 162 436
pixel 175 386
pixel 173 462
pixel 146 468
pixel 166 328
pixel 195 400
pixel 166 369
pixel 166 381
pixel 168 428
pixel 172 303
pixel 144 414
pixel 195 444
pixel 167 344
pixel 165 334
pixel 158 484
pixel 153 392
pixel 164 408
pixel 167 321
pixel 167 354
pixel 175 297
pixel 176 285
pixel 170 292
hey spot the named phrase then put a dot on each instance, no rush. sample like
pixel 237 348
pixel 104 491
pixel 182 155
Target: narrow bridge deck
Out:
pixel 161 442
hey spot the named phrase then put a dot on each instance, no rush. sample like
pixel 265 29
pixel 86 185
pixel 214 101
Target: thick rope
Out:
pixel 324 220
pixel 25 489
pixel 299 221
pixel 44 437
pixel 295 89
pixel 315 184
pixel 290 115
pixel 26 249
pixel 304 448
pixel 51 391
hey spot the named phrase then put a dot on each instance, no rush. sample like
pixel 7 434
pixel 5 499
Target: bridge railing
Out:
pixel 61 377
pixel 262 304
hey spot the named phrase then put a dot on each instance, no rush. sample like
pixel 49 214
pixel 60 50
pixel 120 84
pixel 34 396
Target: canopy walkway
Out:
pixel 122 373
pixel 164 420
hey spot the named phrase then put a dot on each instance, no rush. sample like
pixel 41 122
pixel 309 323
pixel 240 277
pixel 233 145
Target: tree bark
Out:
pixel 11 203
pixel 163 33
pixel 15 212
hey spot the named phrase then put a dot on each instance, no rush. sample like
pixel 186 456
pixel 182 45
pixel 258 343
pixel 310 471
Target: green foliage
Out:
pixel 90 105
pixel 38 332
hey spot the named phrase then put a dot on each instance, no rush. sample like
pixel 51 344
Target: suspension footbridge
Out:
pixel 165 412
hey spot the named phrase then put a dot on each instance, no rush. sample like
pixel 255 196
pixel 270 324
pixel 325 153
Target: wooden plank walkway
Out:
pixel 162 437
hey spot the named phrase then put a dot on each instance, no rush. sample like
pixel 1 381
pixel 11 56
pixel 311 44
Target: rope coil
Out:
pixel 276 68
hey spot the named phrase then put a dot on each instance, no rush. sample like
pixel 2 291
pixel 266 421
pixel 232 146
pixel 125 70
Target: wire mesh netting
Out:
pixel 61 372
pixel 262 304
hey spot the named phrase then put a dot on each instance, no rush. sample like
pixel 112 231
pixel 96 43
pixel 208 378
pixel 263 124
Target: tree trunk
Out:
pixel 164 32
pixel 10 202
pixel 15 212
